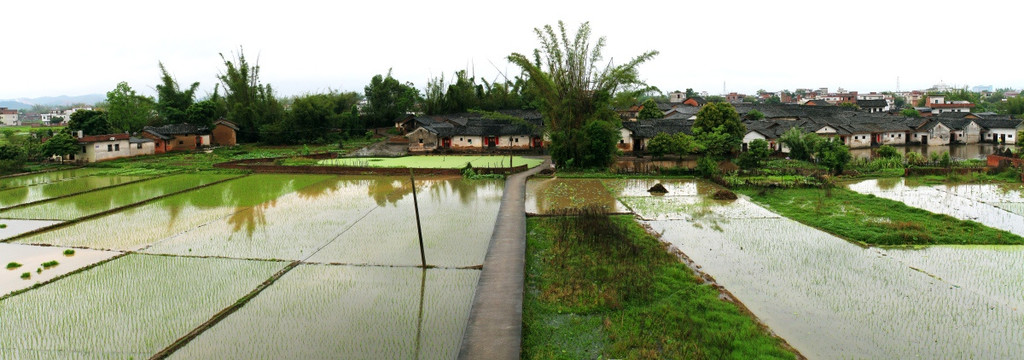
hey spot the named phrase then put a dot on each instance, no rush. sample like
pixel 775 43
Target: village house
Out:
pixel 96 148
pixel 9 117
pixel 475 132
pixel 138 146
pixel 224 133
pixel 635 135
pixel 177 137
pixel 938 104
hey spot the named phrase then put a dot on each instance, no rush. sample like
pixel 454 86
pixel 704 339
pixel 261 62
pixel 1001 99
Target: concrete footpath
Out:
pixel 495 325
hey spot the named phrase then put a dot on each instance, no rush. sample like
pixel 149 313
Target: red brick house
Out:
pixel 224 133
pixel 177 137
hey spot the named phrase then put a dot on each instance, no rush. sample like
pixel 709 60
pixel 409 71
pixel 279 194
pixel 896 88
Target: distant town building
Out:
pixel 9 117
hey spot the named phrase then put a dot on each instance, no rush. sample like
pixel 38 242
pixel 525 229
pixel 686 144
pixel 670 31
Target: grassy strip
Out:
pixel 602 287
pixel 184 340
pixel 876 221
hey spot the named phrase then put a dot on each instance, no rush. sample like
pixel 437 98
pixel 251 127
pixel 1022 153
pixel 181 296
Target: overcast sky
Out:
pixel 53 48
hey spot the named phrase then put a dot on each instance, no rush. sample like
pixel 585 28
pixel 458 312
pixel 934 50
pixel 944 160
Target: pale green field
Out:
pixel 434 162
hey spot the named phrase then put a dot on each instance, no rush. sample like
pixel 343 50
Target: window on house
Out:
pixel 117 147
pixel 180 142
pixel 138 146
pixel 110 147
pixel 421 141
pixel 470 141
pixel 83 149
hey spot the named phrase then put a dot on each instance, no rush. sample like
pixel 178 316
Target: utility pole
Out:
pixel 419 229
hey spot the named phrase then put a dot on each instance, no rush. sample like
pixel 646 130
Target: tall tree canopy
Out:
pixel 387 99
pixel 718 128
pixel 575 95
pixel 465 94
pixel 249 103
pixel 313 118
pixel 172 101
pixel 650 111
pixel 128 111
pixel 90 122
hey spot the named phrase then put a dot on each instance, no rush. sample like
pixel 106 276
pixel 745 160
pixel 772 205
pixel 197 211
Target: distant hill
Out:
pixel 62 100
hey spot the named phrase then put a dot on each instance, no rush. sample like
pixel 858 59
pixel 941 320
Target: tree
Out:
pixel 774 99
pixel 757 152
pixel 718 128
pixel 832 154
pixel 12 158
pixel 1014 106
pixel 128 111
pixel 249 104
pixel 650 111
pixel 60 145
pixel 849 106
pixel 750 99
pixel 690 93
pixel 660 145
pixel 801 145
pixel 313 118
pixel 754 115
pixel 203 113
pixel 888 152
pixel 575 95
pixel 172 102
pixel 90 122
pixel 910 112
pixel 388 99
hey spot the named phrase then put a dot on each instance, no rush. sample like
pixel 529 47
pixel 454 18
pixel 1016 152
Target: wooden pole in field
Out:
pixel 419 229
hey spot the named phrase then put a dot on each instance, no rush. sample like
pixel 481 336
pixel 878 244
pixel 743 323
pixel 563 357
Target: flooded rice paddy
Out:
pixel 31 260
pixel 355 294
pixel 995 205
pixel 830 298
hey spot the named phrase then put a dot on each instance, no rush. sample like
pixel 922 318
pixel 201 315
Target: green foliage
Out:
pixel 660 145
pixel 888 151
pixel 69 252
pixel 249 103
pixel 50 264
pixel 313 118
pixel 873 220
pixel 801 145
pixel 715 115
pixel 678 144
pixel 915 158
pixel 13 265
pixel 127 111
pixel 910 112
pixel 12 158
pixel 172 101
pixel 573 93
pixel 774 99
pixel 945 160
pixel 754 115
pixel 203 113
pixel 466 94
pixel 387 99
pixel 849 106
pixel 1013 106
pixel 757 152
pixel 60 145
pixel 90 122
pixel 707 166
pixel 832 154
pixel 601 287
pixel 26 275
pixel 650 111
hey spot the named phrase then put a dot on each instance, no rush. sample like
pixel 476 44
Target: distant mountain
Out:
pixel 25 103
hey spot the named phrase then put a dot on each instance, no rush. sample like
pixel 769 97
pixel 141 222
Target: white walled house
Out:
pixel 138 146
pixel 9 117
pixel 96 148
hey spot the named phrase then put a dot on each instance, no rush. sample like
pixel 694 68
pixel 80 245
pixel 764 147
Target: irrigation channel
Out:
pixel 213 266
pixel 827 297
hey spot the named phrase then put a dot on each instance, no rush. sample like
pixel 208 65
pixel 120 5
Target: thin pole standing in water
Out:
pixel 419 230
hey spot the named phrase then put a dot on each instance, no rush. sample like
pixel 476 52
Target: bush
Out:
pixel 945 160
pixel 888 151
pixel 915 158
pixel 707 166
pixel 12 158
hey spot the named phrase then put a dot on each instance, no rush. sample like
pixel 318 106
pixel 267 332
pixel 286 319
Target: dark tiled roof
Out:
pixel 226 123
pixel 872 103
pixel 475 124
pixel 178 129
pixel 105 137
pixel 649 128
pixel 139 140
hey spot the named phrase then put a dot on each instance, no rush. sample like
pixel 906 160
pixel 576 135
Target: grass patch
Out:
pixel 69 252
pixel 876 221
pixel 50 264
pixel 13 265
pixel 600 286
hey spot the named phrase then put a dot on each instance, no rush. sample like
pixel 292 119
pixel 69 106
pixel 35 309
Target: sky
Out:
pixel 57 47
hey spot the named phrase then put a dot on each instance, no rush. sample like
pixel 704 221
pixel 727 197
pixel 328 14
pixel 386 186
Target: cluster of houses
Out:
pixel 153 140
pixel 941 123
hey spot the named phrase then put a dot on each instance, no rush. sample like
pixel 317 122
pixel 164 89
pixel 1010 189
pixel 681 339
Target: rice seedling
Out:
pixel 69 252
pixel 551 196
pixel 459 219
pixel 18 254
pixel 975 202
pixel 13 265
pixel 18 227
pixel 319 311
pixel 829 298
pixel 26 275
pixel 3 226
pixel 140 226
pixel 50 264
pixel 130 307
pixel 102 200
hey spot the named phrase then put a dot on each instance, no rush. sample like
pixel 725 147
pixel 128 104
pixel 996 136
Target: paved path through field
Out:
pixel 495 323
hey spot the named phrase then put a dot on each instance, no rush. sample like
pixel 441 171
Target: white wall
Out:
pixel 859 141
pixel 97 151
pixel 467 141
pixel 993 135
pixel 147 148
pixel 894 138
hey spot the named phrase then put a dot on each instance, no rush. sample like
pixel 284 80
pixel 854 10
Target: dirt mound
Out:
pixel 724 195
pixel 658 189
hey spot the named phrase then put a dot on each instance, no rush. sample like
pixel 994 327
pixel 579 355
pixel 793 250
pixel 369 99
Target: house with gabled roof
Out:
pixel 224 133
pixel 508 130
pixel 635 135
pixel 1000 129
pixel 177 137
pixel 102 147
